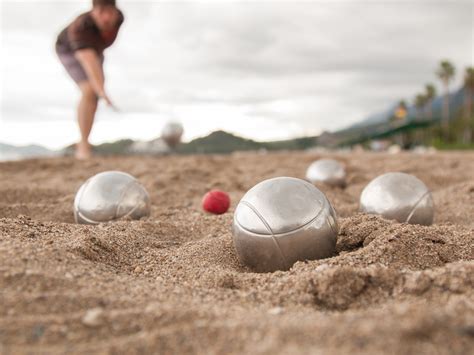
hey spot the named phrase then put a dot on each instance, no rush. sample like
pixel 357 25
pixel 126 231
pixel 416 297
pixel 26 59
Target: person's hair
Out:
pixel 103 3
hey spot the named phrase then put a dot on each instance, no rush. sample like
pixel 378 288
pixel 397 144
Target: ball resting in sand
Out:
pixel 109 196
pixel 327 171
pixel 172 133
pixel 398 196
pixel 216 202
pixel 283 220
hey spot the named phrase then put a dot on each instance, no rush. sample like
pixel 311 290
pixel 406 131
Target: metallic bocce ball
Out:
pixel 282 220
pixel 172 133
pixel 110 196
pixel 398 196
pixel 327 171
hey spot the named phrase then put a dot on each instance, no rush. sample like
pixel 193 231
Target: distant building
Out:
pixel 379 145
pixel 154 147
pixel 401 112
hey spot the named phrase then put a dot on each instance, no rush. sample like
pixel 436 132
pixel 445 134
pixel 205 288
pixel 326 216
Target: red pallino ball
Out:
pixel 216 201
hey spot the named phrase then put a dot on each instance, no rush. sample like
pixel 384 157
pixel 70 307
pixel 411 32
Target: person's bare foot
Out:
pixel 83 151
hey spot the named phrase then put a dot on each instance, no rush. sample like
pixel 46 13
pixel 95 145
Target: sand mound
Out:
pixel 172 283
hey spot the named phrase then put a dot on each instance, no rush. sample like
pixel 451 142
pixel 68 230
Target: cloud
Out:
pixel 296 67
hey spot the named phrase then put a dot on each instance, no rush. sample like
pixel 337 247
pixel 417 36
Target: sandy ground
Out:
pixel 172 283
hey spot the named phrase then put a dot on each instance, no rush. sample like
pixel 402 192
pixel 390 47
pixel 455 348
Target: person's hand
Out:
pixel 107 100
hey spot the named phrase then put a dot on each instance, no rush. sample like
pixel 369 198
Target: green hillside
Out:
pixel 219 142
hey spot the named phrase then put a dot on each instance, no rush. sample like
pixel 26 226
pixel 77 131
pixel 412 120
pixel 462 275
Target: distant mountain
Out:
pixel 119 147
pixel 219 142
pixel 13 152
pixel 224 142
pixel 456 101
pixel 293 144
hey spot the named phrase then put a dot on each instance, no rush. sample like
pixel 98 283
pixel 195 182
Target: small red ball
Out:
pixel 216 201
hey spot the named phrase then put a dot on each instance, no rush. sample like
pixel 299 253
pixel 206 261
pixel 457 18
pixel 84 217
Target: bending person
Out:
pixel 80 48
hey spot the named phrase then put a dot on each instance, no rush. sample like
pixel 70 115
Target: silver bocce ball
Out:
pixel 283 220
pixel 327 171
pixel 110 196
pixel 172 133
pixel 398 196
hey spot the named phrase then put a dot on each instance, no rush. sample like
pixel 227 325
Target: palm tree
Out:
pixel 468 93
pixel 446 73
pixel 468 90
pixel 420 102
pixel 430 94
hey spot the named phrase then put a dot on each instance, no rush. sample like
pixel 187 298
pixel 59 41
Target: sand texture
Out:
pixel 172 283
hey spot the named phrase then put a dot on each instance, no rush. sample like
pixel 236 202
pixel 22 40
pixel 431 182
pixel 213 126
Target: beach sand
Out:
pixel 172 283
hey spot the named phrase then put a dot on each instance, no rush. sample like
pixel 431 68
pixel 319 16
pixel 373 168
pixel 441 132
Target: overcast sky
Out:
pixel 264 70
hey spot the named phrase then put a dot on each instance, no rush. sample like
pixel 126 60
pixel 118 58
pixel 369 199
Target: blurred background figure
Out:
pixel 80 48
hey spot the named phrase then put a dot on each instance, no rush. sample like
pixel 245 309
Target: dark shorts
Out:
pixel 73 66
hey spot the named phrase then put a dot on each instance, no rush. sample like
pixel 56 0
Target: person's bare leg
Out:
pixel 85 117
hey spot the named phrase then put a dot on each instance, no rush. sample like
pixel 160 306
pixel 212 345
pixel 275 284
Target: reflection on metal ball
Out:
pixel 327 171
pixel 282 220
pixel 398 196
pixel 109 196
pixel 172 133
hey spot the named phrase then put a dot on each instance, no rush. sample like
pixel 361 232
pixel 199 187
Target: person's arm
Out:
pixel 91 64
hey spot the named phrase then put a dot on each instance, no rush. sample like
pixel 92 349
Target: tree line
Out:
pixel 456 125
